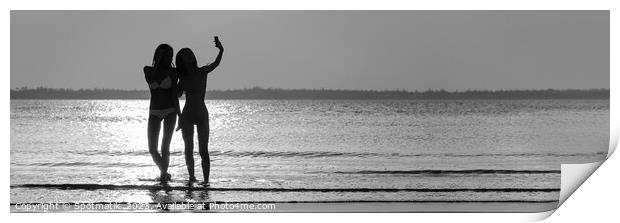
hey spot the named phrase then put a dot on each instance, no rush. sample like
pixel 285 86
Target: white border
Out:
pixel 583 205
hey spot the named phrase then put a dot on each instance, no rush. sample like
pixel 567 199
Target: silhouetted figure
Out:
pixel 164 106
pixel 194 83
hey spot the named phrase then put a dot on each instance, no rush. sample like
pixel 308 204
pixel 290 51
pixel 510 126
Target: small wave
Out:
pixel 324 154
pixel 441 172
pixel 78 164
pixel 165 187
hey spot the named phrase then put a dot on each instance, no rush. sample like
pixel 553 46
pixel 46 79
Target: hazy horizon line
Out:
pixel 317 89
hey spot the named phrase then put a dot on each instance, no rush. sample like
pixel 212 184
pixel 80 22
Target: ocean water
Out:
pixel 309 150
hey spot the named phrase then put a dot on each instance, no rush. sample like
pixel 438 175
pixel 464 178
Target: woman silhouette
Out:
pixel 194 83
pixel 164 105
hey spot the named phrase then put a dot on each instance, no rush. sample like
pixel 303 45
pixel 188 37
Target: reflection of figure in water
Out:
pixel 194 83
pixel 164 105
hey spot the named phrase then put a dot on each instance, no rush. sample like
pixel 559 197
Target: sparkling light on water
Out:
pixel 309 144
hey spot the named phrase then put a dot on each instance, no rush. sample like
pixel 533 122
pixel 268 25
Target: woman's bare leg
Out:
pixel 203 147
pixel 188 137
pixel 154 125
pixel 169 123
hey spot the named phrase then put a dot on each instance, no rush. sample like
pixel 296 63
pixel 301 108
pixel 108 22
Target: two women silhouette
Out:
pixel 165 90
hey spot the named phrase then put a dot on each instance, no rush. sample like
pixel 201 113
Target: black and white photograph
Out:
pixel 304 110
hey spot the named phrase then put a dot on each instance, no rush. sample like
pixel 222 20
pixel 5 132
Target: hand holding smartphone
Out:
pixel 218 44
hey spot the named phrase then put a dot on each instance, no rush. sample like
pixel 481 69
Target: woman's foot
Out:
pixel 192 179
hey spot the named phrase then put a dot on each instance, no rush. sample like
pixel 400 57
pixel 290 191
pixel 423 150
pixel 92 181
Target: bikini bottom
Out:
pixel 161 113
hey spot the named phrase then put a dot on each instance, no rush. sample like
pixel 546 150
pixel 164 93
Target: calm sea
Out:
pixel 322 150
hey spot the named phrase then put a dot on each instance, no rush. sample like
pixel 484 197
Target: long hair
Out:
pixel 185 60
pixel 163 57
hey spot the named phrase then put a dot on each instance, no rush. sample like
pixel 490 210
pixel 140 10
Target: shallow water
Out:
pixel 306 144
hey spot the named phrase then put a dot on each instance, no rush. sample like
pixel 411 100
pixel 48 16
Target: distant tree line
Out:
pixel 64 93
pixel 275 93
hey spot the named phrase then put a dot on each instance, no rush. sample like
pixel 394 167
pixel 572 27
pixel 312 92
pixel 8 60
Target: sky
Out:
pixel 380 50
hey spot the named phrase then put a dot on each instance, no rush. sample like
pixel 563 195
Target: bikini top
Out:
pixel 166 83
